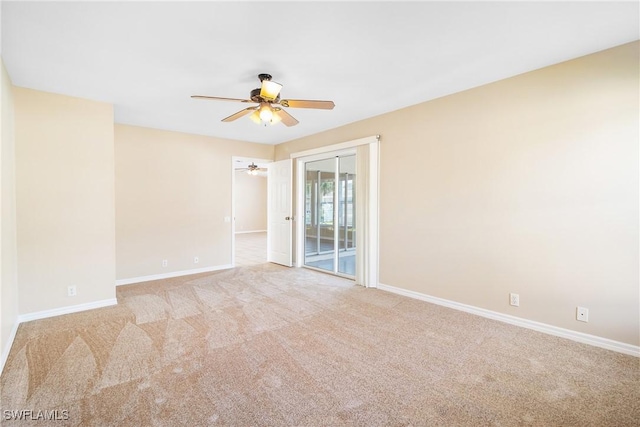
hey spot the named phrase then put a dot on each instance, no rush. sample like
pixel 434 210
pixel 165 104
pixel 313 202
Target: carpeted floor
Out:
pixel 270 346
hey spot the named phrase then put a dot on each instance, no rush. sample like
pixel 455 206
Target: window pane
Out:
pixel 319 230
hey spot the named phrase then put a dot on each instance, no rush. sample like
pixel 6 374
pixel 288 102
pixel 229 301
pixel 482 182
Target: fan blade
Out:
pixel 305 103
pixel 286 118
pixel 217 98
pixel 239 114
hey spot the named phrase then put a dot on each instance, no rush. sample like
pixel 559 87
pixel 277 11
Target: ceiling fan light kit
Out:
pixel 252 169
pixel 269 90
pixel 265 115
pixel 267 95
pixel 255 117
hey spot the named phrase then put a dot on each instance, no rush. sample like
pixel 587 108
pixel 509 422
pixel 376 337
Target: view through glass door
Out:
pixel 330 232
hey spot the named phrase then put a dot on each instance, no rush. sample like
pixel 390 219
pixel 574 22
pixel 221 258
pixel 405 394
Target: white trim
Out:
pixel 233 212
pixel 323 155
pixel 172 274
pixel 580 337
pixel 336 147
pixel 299 213
pixel 66 310
pixel 7 347
pixel 248 159
pixel 37 315
pixel 373 231
pixel 252 231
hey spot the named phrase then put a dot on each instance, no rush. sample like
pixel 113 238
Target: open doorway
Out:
pixel 249 211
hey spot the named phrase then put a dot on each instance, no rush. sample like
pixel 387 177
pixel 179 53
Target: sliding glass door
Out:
pixel 330 233
pixel 347 215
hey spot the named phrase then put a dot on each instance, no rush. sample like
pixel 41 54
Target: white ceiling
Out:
pixel 147 58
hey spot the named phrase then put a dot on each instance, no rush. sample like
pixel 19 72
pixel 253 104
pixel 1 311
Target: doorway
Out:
pixel 249 211
pixel 353 204
pixel 330 215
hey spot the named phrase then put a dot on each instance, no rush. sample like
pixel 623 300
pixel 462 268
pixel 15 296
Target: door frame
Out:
pixel 235 159
pixel 370 276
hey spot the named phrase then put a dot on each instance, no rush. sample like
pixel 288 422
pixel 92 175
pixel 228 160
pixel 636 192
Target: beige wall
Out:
pixel 250 194
pixel 8 250
pixel 173 192
pixel 527 185
pixel 65 200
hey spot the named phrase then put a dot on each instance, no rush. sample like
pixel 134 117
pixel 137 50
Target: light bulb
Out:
pixel 255 117
pixel 265 113
pixel 276 117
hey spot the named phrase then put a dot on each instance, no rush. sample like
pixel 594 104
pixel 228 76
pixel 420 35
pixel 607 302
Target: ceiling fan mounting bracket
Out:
pixel 263 77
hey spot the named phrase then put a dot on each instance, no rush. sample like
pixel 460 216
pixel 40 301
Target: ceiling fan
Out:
pixel 252 169
pixel 269 109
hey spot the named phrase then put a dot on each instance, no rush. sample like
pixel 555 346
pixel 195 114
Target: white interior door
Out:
pixel 279 213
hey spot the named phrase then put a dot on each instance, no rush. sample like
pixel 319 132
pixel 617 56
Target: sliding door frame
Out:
pixel 369 276
pixel 335 156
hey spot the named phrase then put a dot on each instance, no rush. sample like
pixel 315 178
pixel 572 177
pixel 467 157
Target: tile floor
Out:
pixel 346 264
pixel 251 249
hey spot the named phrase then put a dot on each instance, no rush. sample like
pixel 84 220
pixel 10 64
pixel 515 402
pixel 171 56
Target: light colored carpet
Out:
pixel 271 346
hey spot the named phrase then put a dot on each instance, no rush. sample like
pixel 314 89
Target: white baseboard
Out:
pixel 253 231
pixel 580 337
pixel 22 318
pixel 66 310
pixel 172 274
pixel 7 347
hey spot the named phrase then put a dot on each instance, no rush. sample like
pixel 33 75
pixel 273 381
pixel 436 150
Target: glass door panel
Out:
pixel 346 215
pixel 330 215
pixel 319 214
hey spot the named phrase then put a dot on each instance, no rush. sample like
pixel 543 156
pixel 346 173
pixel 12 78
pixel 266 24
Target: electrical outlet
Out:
pixel 196 260
pixel 71 291
pixel 582 314
pixel 165 262
pixel 514 300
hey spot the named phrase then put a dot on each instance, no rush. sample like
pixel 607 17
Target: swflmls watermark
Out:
pixel 35 415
